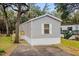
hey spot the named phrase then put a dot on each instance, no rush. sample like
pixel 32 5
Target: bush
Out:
pixel 1 50
pixel 67 35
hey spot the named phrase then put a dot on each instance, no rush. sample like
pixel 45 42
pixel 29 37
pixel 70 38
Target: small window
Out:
pixel 70 28
pixel 61 29
pixel 46 28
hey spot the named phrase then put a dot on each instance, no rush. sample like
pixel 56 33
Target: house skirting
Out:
pixel 43 41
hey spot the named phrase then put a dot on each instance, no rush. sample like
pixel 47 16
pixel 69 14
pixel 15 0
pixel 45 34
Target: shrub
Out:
pixel 1 50
pixel 67 35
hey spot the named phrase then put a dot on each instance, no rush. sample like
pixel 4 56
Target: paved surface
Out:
pixel 23 50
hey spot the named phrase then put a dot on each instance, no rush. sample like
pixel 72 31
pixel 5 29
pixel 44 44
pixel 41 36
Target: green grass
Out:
pixel 70 43
pixel 5 42
pixel 7 45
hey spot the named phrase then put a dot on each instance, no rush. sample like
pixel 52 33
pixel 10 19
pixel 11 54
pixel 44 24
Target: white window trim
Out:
pixel 42 28
pixel 50 28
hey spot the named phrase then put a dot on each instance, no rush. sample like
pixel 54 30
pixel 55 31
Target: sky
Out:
pixel 51 6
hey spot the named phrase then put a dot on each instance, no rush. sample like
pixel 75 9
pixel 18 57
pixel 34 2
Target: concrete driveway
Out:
pixel 23 50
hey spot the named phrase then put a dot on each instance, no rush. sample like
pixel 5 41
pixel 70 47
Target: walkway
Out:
pixel 23 50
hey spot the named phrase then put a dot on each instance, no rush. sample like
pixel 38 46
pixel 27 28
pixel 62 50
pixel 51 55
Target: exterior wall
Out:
pixel 36 28
pixel 33 31
pixel 26 28
pixel 64 27
pixel 44 41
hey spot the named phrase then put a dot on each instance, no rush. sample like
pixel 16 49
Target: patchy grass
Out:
pixel 70 43
pixel 6 44
pixel 70 46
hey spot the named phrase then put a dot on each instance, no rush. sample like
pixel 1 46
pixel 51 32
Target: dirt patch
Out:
pixel 71 50
pixel 23 50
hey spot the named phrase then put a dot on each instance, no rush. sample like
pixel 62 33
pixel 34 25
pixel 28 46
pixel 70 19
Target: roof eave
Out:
pixel 43 16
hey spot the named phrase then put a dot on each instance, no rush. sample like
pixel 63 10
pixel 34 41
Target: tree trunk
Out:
pixel 7 28
pixel 17 28
pixel 6 22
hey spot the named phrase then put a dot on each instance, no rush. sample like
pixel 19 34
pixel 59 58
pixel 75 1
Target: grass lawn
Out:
pixel 70 43
pixel 70 46
pixel 6 44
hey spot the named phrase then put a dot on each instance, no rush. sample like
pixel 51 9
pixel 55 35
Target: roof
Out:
pixel 55 18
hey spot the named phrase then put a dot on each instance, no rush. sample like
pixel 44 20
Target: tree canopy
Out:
pixel 67 10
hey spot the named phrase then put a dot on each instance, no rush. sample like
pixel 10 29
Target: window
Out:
pixel 70 28
pixel 46 28
pixel 61 30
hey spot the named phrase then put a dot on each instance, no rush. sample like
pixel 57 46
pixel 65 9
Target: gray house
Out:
pixel 42 30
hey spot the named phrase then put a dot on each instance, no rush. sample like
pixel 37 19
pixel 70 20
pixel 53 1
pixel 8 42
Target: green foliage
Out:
pixel 23 19
pixel 69 16
pixel 56 14
pixel 36 11
pixel 65 15
pixel 75 18
pixel 5 42
pixel 45 9
pixel 67 35
pixel 2 50
pixel 62 7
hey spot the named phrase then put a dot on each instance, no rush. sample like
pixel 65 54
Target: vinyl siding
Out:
pixel 36 28
pixel 64 27
pixel 26 27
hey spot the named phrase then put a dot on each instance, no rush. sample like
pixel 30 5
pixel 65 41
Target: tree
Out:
pixel 45 9
pixel 56 14
pixel 24 18
pixel 4 6
pixel 2 26
pixel 34 11
pixel 67 9
pixel 20 8
pixel 75 20
pixel 11 20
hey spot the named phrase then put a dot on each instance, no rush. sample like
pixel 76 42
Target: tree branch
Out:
pixel 13 8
